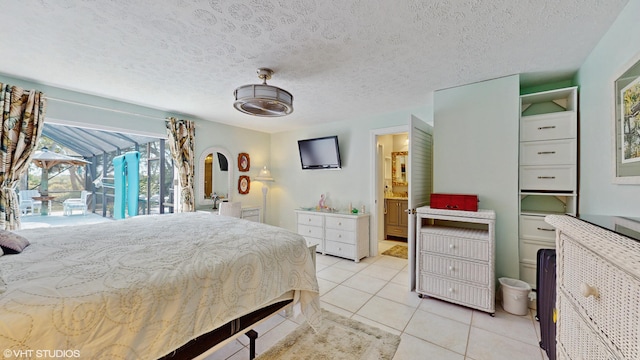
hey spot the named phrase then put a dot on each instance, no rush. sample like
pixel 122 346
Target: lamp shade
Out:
pixel 264 175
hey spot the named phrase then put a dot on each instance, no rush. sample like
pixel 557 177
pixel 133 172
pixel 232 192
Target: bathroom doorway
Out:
pixel 414 182
pixel 384 143
pixel 395 183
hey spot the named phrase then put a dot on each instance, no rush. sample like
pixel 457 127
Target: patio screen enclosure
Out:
pixel 99 148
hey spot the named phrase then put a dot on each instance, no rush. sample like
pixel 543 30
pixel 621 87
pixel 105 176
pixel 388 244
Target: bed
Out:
pixel 149 285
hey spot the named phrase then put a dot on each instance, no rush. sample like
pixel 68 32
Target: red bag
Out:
pixel 463 202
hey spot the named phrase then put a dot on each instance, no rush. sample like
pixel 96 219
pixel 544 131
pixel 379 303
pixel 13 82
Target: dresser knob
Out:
pixel 587 290
pixel 309 219
pixel 451 246
pixel 451 268
pixel 451 290
pixel 340 236
pixel 339 224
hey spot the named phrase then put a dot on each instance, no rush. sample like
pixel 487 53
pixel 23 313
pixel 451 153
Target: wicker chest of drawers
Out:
pixel 455 256
pixel 598 291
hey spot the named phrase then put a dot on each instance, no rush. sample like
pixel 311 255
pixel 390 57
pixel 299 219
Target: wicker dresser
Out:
pixel 598 287
pixel 455 253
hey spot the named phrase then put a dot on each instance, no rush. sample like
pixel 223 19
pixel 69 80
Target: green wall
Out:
pixel 614 54
pixel 476 152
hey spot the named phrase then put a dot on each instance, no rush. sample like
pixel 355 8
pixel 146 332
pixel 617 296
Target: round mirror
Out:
pixel 216 174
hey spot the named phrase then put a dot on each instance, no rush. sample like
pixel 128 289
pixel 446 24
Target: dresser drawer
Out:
pixel 455 291
pixel 251 214
pixel 340 223
pixel 340 249
pixel 310 219
pixel 576 339
pixel 310 231
pixel 535 228
pixel 400 231
pixel 528 274
pixel 529 249
pixel 455 269
pixel 455 246
pixel 315 241
pixel 614 310
pixel 342 236
pixel 560 125
pixel 548 178
pixel 551 152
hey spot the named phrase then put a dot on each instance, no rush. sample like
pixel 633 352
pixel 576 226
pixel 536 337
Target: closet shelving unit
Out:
pixel 548 169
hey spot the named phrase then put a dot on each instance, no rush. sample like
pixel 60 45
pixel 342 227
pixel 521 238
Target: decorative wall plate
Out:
pixel 243 162
pixel 244 183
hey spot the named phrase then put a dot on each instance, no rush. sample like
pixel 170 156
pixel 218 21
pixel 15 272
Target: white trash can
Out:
pixel 515 296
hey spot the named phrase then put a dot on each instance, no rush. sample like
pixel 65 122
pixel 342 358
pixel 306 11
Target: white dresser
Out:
pixel 249 212
pixel 455 256
pixel 340 234
pixel 598 289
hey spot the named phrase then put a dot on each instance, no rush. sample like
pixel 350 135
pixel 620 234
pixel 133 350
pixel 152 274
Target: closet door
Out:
pixel 420 182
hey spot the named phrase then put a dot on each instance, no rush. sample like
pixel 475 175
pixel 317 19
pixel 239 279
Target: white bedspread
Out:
pixel 141 287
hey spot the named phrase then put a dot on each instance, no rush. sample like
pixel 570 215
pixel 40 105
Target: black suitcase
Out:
pixel 546 300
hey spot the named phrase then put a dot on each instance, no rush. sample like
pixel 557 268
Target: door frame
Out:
pixel 376 181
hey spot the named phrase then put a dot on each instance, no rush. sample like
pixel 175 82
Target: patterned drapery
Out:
pixel 22 122
pixel 181 142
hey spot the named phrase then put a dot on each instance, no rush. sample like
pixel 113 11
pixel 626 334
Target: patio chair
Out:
pixel 76 203
pixel 26 202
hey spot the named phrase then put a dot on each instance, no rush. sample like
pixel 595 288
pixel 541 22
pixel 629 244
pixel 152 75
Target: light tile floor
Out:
pixel 374 291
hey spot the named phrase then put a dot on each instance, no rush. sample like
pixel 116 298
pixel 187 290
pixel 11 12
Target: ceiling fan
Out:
pixel 263 99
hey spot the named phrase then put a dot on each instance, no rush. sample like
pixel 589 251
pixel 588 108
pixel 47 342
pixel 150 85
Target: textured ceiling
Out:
pixel 341 59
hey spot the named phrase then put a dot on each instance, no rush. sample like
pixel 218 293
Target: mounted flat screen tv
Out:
pixel 320 153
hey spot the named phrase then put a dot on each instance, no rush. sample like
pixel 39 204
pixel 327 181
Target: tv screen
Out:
pixel 320 153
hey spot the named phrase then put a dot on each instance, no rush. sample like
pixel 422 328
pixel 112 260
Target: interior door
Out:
pixel 420 182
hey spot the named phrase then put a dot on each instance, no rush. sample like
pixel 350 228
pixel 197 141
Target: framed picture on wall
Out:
pixel 626 132
pixel 244 184
pixel 244 162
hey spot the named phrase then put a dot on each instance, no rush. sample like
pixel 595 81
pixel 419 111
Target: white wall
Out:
pixel 476 152
pixel 294 187
pixel 235 140
pixel 611 57
pixel 116 115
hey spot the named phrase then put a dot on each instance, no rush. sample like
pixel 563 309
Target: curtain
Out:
pixel 22 122
pixel 181 142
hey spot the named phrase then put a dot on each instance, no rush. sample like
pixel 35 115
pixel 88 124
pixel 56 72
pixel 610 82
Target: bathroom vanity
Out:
pixel 396 219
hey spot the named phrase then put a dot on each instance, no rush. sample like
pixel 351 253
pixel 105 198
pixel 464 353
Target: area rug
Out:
pixel 399 251
pixel 338 338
